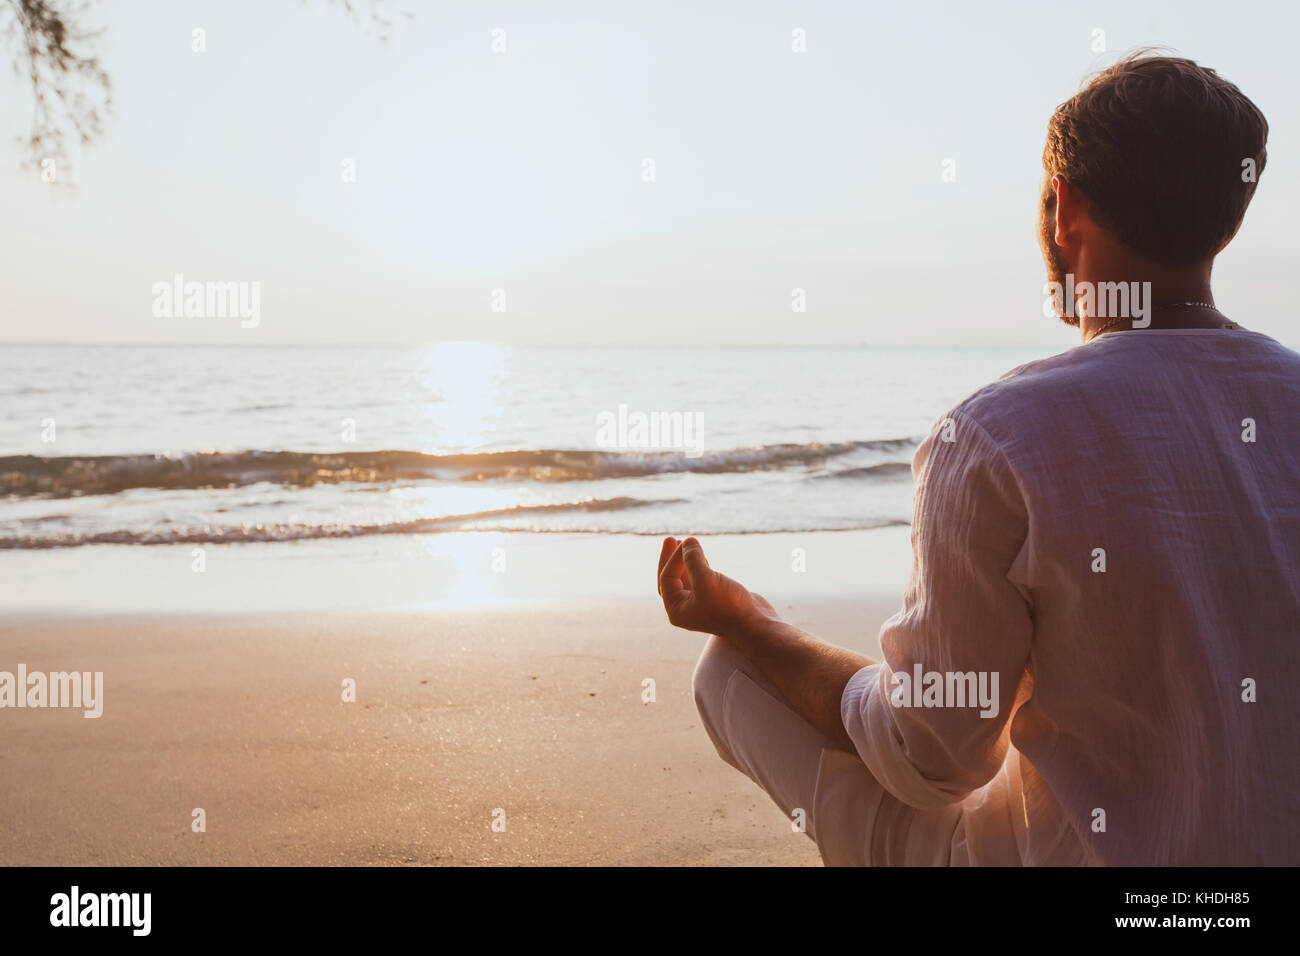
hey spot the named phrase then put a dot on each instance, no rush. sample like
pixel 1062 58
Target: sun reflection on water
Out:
pixel 468 380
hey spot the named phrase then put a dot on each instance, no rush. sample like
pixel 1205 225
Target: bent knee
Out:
pixel 713 673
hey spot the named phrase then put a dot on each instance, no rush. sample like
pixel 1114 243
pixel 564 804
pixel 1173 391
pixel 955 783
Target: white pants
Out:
pixel 852 818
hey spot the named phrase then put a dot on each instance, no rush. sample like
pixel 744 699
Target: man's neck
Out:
pixel 1168 286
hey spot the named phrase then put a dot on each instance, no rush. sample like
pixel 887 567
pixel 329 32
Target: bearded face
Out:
pixel 1053 257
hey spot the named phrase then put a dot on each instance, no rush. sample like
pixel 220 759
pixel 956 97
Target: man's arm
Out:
pixel 966 618
pixel 810 674
pixel 963 617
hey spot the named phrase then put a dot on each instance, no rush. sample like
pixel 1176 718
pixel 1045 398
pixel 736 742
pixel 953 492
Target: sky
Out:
pixel 501 194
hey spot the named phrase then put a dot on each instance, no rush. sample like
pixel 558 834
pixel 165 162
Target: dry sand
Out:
pixel 536 710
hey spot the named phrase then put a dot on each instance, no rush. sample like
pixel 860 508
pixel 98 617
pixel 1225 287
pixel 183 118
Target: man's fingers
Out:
pixel 670 575
pixel 665 552
pixel 693 556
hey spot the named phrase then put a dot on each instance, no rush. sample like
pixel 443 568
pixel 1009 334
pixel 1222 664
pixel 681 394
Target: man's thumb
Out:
pixel 693 555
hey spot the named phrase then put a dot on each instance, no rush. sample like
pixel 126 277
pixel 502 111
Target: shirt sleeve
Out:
pixel 963 618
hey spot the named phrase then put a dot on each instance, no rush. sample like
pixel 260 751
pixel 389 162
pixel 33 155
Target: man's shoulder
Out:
pixel 1022 392
pixel 1047 394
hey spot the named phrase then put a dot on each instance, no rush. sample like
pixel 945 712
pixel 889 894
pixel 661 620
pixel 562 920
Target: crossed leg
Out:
pixel 852 818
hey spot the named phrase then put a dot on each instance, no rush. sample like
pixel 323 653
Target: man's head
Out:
pixel 1157 158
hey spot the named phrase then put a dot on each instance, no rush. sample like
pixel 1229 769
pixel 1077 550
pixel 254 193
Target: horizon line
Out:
pixel 519 345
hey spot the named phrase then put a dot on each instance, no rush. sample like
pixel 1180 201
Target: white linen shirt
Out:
pixel 1115 531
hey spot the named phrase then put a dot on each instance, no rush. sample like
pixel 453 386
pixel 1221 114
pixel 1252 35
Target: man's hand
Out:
pixel 698 598
pixel 808 674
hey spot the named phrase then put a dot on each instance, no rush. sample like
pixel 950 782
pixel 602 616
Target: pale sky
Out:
pixel 523 170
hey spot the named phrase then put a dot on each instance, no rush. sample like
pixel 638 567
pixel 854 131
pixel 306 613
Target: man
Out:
pixel 1096 658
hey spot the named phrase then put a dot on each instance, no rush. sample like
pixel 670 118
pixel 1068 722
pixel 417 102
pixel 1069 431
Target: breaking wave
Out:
pixel 498 519
pixel 30 475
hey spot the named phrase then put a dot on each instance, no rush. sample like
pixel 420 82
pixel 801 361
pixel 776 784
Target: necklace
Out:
pixel 1162 305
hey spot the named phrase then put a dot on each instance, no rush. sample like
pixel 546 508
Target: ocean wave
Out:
pixel 29 475
pixel 497 519
pixel 888 469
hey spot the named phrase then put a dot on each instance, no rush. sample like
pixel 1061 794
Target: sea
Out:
pixel 156 445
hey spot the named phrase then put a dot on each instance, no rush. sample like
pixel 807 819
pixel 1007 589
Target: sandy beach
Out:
pixel 529 706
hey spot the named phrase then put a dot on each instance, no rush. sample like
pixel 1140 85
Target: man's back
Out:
pixel 1094 659
pixel 1160 476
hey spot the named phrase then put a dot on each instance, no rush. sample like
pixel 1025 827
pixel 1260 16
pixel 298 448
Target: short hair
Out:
pixel 1158 146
